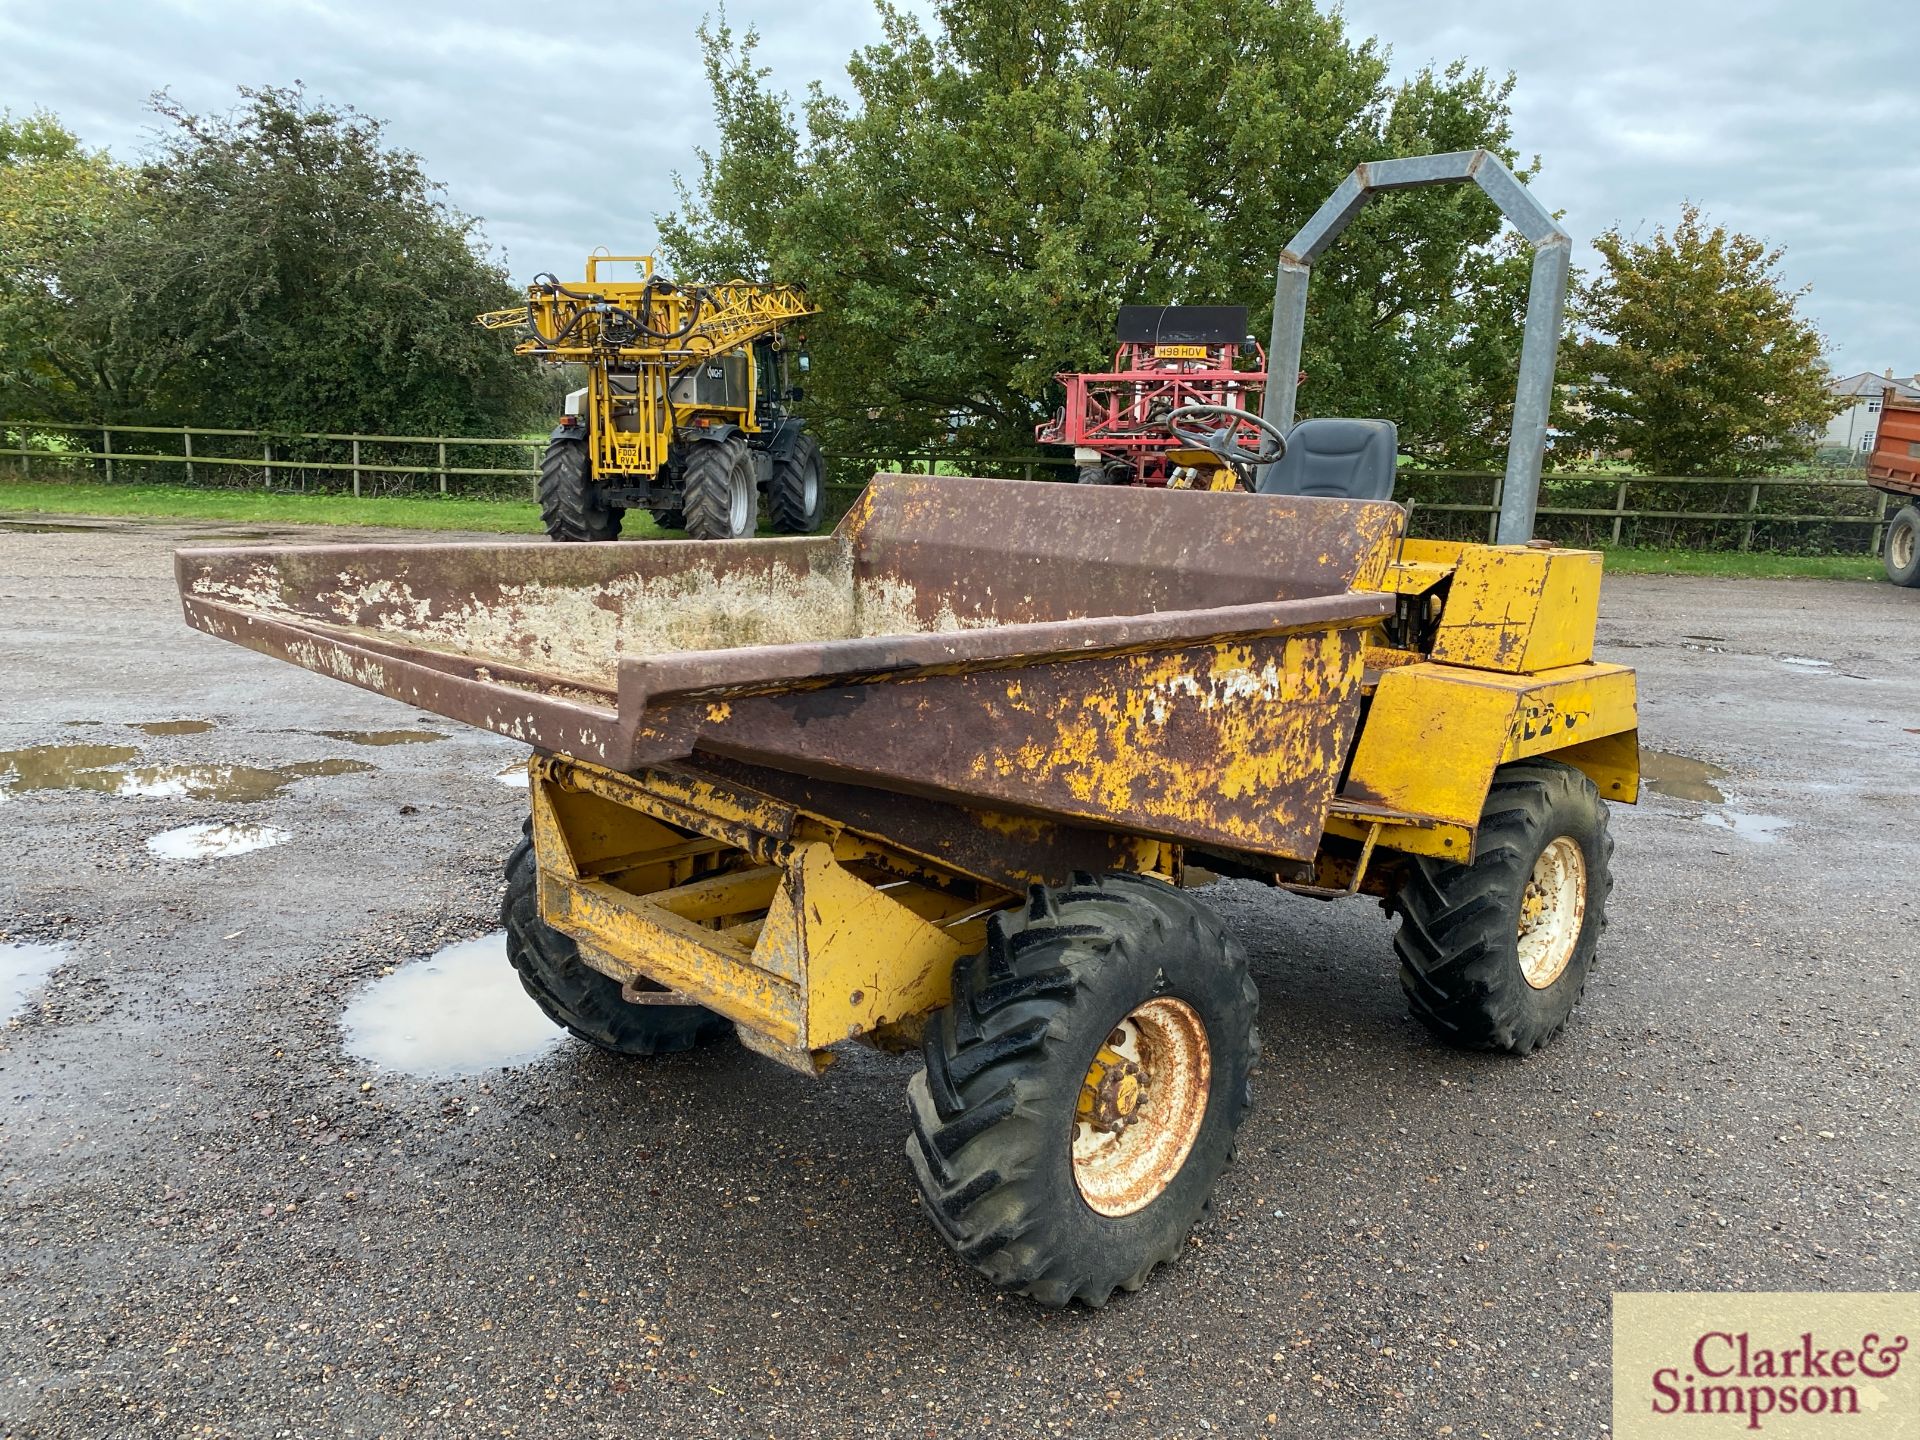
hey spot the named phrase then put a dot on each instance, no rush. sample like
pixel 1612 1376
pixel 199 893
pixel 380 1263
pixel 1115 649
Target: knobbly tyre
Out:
pixel 947 779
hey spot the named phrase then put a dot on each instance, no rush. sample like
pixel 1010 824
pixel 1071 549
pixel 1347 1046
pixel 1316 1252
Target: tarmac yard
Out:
pixel 284 1151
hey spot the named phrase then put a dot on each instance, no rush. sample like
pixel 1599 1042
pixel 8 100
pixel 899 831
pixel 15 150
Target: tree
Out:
pixel 279 268
pixel 971 222
pixel 38 137
pixel 1696 360
pixel 56 203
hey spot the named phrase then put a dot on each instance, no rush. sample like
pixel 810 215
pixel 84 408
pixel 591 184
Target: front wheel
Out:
pixel 1494 955
pixel 1082 1090
pixel 1902 553
pixel 719 494
pixel 571 507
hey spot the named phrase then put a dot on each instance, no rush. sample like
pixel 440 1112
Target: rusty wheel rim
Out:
pixel 1141 1106
pixel 1553 907
pixel 1900 546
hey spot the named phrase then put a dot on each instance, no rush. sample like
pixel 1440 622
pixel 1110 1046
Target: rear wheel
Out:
pixel 574 994
pixel 1081 1093
pixel 795 496
pixel 571 507
pixel 1494 955
pixel 1902 553
pixel 719 496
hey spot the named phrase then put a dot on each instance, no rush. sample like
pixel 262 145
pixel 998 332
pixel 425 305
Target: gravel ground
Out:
pixel 219 1222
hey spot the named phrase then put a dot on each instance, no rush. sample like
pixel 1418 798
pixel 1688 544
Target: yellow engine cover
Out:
pixel 1518 610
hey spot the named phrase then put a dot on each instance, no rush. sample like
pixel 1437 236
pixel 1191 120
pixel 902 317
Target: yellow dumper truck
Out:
pixel 951 778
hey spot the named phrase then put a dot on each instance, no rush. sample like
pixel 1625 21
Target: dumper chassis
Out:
pixel 954 779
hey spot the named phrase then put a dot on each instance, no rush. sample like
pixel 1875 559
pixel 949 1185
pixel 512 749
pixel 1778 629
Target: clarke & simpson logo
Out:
pixel 1794 1367
pixel 1730 1374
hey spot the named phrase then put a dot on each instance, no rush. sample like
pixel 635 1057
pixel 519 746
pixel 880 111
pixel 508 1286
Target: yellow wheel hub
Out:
pixel 1553 908
pixel 1141 1106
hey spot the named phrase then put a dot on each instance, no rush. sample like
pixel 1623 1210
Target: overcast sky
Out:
pixel 561 125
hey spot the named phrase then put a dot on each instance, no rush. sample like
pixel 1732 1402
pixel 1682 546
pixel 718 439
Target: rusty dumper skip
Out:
pixel 950 778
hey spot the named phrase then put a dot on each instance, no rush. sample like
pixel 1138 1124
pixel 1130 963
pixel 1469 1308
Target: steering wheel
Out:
pixel 1223 442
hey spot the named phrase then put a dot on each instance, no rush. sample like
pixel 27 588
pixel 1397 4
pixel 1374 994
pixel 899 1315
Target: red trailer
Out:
pixel 1894 466
pixel 1169 356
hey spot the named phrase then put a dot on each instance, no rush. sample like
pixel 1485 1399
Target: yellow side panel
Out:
pixel 1519 610
pixel 866 958
pixel 1434 735
pixel 1430 742
pixel 1566 708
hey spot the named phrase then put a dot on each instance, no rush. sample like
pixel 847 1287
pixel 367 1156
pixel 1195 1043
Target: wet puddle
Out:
pixel 1804 662
pixel 208 842
pixel 41 527
pixel 1760 829
pixel 384 737
pixel 24 968
pixel 1682 777
pixel 104 769
pixel 173 727
pixel 514 777
pixel 461 1011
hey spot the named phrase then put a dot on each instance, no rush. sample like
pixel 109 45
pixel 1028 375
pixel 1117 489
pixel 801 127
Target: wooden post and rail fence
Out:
pixel 1443 501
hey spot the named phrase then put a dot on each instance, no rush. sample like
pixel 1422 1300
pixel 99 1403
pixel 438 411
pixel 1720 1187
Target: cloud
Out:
pixel 561 128
pixel 1786 120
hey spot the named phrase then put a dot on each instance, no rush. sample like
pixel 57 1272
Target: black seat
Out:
pixel 1343 459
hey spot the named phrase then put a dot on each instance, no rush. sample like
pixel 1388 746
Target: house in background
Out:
pixel 1853 428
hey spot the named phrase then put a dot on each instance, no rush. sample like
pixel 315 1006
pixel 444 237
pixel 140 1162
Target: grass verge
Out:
pixel 273 507
pixel 1736 565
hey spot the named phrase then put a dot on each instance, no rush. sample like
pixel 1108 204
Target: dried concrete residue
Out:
pixel 258 589
pixel 583 632
pixel 580 633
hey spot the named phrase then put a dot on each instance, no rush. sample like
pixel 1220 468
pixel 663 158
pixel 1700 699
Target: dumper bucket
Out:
pixel 1174 663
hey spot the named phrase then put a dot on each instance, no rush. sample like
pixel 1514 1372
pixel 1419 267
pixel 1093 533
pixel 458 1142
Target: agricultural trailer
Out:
pixel 1894 467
